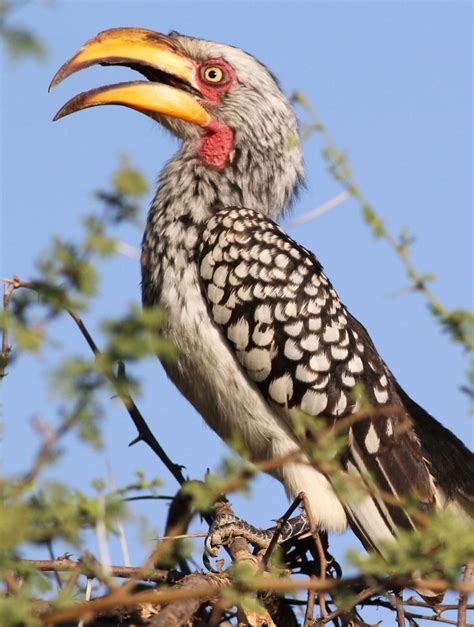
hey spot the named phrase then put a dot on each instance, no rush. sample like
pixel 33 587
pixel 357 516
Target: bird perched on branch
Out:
pixel 262 335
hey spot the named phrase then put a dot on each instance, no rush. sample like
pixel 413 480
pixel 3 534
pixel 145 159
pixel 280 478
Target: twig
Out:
pixel 124 572
pixel 322 564
pixel 239 552
pixel 102 535
pixel 400 609
pixel 315 213
pixel 464 597
pixel 144 432
pixel 120 527
pixel 6 349
pixel 87 597
pixel 358 599
pixel 309 612
pixel 277 532
pixel 184 536
pixel 45 452
pixel 49 545
pixel 127 250
pixel 409 603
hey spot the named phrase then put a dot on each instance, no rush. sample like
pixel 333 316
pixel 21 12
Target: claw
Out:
pixel 209 548
pixel 207 563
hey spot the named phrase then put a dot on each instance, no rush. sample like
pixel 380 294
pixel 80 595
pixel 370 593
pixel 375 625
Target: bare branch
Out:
pixel 324 208
pixel 6 349
pixel 144 432
pixel 464 596
pixel 125 572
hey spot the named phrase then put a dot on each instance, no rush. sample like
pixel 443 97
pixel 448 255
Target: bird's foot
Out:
pixel 227 526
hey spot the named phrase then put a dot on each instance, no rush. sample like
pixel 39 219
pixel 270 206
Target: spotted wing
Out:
pixel 297 342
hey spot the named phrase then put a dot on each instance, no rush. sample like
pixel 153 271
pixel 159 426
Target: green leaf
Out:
pixel 21 43
pixel 128 180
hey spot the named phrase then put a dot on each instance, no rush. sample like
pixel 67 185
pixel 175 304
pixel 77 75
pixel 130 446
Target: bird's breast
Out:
pixel 208 374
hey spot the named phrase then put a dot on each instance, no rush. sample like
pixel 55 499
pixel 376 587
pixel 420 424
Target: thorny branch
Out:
pixel 5 352
pixel 463 598
pixel 322 566
pixel 144 432
pixel 81 567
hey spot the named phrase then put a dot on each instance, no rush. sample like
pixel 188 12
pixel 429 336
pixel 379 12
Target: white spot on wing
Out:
pixel 331 334
pixel 259 291
pixel 280 313
pixel 319 363
pixel 313 307
pixel 238 333
pixel 265 256
pixel 344 339
pixel 262 337
pixel 314 324
pixel 381 395
pixel 263 313
pixel 339 353
pixel 257 359
pixel 214 293
pixel 221 314
pixel 220 276
pixel 281 260
pixel 310 290
pixel 207 267
pixel 295 277
pixel 310 342
pixel 313 403
pixel 278 275
pixel 293 328
pixel 305 375
pixel 348 379
pixel 281 389
pixel 355 365
pixel 245 293
pixel 242 270
pixel 321 383
pixel 341 404
pixel 372 441
pixel 290 309
pixel 291 351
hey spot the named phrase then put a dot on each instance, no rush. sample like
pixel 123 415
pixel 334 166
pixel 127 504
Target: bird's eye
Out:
pixel 212 74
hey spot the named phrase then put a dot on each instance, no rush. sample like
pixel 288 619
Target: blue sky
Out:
pixel 392 82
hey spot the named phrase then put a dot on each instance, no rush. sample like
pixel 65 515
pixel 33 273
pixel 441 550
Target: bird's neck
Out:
pixel 190 187
pixel 190 192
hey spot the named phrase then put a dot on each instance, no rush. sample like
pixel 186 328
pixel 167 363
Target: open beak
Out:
pixel 171 90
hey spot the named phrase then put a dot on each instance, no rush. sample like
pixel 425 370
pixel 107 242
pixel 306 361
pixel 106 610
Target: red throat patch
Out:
pixel 216 145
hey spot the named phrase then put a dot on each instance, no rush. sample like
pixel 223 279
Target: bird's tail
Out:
pixel 451 462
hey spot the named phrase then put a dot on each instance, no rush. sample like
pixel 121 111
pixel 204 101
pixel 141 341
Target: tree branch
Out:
pixel 144 432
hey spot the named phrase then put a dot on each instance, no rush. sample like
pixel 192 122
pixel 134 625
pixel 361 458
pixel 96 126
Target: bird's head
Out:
pixel 223 103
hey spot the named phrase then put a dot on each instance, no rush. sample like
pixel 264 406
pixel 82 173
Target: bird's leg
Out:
pixel 226 526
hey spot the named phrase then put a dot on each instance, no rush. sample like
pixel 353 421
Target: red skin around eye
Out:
pixel 213 91
pixel 218 139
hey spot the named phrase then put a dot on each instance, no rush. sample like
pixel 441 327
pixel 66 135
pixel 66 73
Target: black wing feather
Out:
pixel 304 351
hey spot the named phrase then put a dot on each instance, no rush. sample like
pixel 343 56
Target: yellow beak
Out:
pixel 152 54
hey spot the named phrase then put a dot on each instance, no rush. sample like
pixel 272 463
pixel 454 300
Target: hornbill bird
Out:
pixel 261 332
